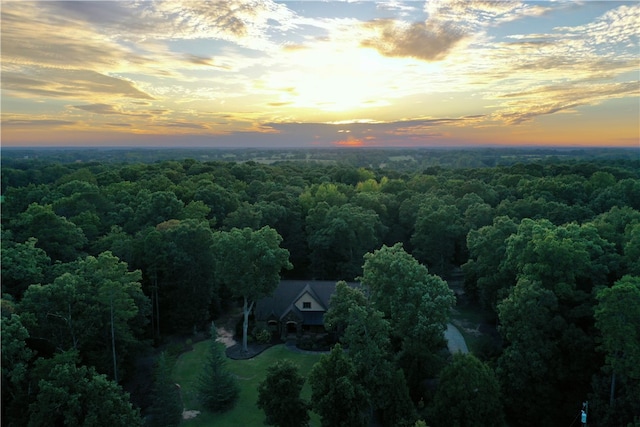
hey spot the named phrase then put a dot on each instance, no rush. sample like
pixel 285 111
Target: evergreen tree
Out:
pixel 218 389
pixel 166 410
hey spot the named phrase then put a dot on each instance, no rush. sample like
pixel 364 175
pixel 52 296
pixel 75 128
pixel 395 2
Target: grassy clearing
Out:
pixel 250 372
pixel 401 158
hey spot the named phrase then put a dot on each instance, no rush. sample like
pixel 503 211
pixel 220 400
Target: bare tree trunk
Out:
pixel 245 325
pixel 246 309
pixel 612 394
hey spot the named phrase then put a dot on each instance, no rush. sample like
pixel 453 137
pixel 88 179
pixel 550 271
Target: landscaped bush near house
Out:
pixel 261 333
pixel 263 336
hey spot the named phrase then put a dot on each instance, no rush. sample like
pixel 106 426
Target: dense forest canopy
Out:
pixel 409 159
pixel 107 252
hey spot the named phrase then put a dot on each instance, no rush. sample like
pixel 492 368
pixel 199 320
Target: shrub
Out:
pixel 263 337
pixel 261 333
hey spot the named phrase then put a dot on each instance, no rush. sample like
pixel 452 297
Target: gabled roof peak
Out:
pixel 309 290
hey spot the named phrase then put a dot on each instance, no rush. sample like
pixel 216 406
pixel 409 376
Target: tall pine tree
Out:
pixel 218 389
pixel 166 410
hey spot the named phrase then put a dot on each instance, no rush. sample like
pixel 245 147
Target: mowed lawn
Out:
pixel 250 373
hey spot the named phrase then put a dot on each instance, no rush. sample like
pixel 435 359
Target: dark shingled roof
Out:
pixel 281 302
pixel 313 317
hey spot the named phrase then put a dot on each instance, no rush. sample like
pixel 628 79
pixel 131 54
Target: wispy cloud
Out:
pixel 242 21
pixel 34 36
pixel 98 108
pixel 108 109
pixel 203 60
pixel 553 99
pixel 474 14
pixel 48 44
pixel 619 25
pixel 69 83
pixel 35 123
pixel 183 125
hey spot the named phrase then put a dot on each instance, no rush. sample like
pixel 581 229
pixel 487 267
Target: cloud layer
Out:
pixel 347 73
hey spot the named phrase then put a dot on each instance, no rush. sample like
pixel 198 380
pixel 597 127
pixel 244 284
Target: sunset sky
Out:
pixel 262 73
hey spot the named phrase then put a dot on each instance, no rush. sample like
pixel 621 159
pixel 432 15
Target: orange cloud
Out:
pixel 349 142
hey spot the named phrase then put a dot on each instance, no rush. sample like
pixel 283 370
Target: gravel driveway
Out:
pixel 455 340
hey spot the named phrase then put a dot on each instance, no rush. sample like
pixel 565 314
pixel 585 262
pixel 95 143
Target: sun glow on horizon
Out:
pixel 349 142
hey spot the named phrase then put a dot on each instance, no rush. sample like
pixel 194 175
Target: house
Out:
pixel 296 306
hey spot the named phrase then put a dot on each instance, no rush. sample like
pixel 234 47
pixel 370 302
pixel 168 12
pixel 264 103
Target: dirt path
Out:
pixel 225 336
pixel 455 340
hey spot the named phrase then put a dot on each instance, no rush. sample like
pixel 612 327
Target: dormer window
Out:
pixel 306 305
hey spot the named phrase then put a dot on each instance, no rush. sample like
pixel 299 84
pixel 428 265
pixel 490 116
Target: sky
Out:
pixel 264 73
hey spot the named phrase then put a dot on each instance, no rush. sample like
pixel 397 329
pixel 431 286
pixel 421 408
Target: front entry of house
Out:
pixel 292 328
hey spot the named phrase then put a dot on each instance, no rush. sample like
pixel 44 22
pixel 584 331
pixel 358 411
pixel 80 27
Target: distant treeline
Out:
pixel 405 159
